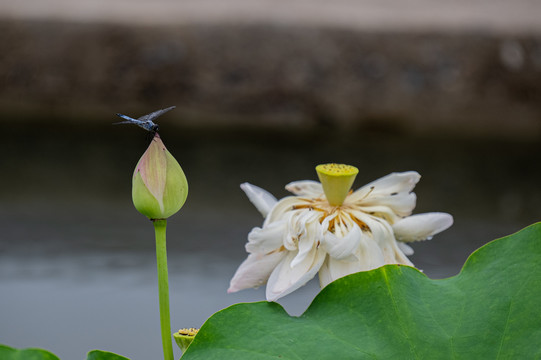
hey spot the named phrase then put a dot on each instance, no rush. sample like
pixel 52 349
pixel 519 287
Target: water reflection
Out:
pixel 77 261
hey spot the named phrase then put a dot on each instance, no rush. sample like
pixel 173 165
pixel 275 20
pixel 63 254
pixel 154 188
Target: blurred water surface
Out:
pixel 77 267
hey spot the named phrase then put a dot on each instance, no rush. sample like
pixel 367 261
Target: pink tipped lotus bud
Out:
pixel 159 187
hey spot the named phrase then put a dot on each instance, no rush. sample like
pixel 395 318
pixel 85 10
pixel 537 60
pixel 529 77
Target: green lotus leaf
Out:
pixel 8 353
pixel 491 310
pixel 104 355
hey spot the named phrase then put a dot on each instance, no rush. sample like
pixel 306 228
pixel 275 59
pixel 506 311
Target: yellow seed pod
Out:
pixel 184 337
pixel 336 180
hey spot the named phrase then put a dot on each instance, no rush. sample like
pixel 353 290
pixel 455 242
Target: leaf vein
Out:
pixel 502 340
pixel 330 333
pixel 395 307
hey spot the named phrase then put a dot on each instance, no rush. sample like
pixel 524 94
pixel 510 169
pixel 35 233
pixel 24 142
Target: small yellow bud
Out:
pixel 336 180
pixel 159 187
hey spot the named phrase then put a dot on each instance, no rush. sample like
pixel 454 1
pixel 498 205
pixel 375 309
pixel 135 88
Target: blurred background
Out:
pixel 265 90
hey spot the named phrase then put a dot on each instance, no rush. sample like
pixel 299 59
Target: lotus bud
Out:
pixel 336 180
pixel 159 187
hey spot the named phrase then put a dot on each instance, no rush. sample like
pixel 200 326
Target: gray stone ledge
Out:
pixel 470 82
pixel 495 16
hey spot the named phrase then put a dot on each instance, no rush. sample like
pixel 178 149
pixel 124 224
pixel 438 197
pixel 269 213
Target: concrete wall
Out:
pixel 264 74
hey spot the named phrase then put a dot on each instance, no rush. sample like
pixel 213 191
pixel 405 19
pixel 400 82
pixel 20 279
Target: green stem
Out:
pixel 163 285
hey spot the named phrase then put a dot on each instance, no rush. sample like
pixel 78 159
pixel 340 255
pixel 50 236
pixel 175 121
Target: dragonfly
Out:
pixel 145 121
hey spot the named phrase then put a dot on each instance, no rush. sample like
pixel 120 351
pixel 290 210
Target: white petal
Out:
pixel 325 277
pixel 298 226
pixel 283 207
pixel 306 188
pixel 381 211
pixel 383 236
pixel 266 239
pixel 254 271
pixel 307 243
pixel 402 204
pixel 379 228
pixel 369 257
pixel 342 248
pixel 421 226
pixel 406 249
pixel 324 227
pixel 393 183
pixel 286 279
pixel 334 269
pixel 292 232
pixel 262 199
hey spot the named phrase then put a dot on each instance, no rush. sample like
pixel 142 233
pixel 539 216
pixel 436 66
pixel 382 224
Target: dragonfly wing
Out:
pixel 155 114
pixel 126 122
pixel 127 118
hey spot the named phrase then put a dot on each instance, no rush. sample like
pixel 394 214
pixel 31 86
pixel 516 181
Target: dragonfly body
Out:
pixel 147 121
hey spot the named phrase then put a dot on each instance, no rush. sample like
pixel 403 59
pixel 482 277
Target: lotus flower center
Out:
pixel 336 180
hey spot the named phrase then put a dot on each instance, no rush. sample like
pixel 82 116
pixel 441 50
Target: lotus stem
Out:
pixel 163 285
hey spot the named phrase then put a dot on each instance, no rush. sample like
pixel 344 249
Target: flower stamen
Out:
pixel 361 224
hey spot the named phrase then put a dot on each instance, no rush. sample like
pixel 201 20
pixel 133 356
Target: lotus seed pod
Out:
pixel 336 180
pixel 184 338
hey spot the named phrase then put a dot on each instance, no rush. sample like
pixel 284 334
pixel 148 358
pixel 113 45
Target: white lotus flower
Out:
pixel 328 229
